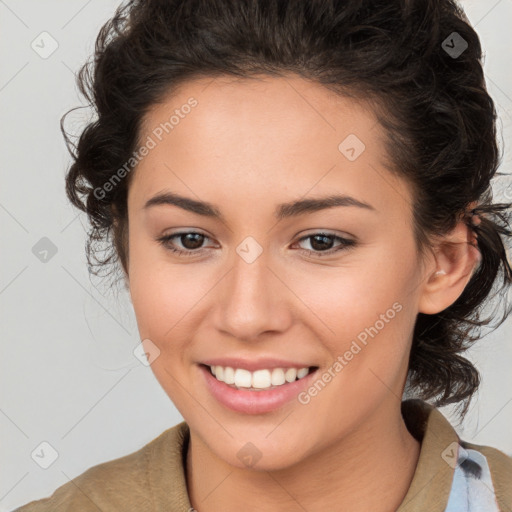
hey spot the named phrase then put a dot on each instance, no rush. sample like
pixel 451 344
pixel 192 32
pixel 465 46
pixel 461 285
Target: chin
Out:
pixel 254 450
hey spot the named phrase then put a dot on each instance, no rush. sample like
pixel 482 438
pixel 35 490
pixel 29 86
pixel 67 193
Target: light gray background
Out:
pixel 69 376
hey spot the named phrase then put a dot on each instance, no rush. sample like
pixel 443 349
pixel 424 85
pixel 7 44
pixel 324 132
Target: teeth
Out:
pixel 302 372
pixel 277 377
pixel 290 375
pixel 242 378
pixel 260 379
pixel 229 375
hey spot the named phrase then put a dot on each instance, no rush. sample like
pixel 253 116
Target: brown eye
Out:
pixel 191 242
pixel 322 244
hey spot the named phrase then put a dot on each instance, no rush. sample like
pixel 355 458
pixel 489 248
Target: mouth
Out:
pixel 257 392
pixel 259 380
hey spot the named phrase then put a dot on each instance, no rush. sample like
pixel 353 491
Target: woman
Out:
pixel 299 198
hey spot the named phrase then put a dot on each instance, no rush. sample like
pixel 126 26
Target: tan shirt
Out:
pixel 153 478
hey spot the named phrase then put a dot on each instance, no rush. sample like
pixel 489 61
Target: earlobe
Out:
pixel 456 258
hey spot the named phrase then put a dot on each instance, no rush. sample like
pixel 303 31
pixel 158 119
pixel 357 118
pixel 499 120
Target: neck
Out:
pixel 368 469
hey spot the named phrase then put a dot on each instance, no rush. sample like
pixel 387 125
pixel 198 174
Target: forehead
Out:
pixel 261 137
pixel 262 106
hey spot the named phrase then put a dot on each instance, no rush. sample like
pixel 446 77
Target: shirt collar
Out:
pixel 432 480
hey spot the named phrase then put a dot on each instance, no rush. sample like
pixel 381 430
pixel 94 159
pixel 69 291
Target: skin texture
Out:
pixel 247 146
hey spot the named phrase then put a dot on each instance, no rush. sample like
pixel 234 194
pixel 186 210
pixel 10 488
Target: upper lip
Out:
pixel 255 364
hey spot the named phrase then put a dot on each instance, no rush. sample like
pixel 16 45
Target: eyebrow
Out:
pixel 282 211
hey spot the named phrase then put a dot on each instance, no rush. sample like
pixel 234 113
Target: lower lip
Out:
pixel 254 402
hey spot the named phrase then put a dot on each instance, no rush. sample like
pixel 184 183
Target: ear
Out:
pixel 456 258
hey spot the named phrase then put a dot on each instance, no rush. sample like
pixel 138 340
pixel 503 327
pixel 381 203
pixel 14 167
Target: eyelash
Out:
pixel 344 245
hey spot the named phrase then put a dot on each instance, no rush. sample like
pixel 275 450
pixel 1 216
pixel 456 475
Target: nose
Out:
pixel 253 300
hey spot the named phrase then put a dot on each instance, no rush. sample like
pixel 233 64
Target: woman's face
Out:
pixel 252 291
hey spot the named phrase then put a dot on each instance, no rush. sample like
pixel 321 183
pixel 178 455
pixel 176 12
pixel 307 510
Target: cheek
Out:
pixel 166 297
pixel 350 296
pixel 153 289
pixel 161 300
pixel 163 297
pixel 362 309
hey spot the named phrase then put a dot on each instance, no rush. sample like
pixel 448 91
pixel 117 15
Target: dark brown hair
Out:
pixel 417 62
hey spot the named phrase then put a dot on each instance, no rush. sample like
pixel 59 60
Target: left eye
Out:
pixel 320 240
pixel 192 241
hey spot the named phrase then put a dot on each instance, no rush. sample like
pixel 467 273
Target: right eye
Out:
pixel 186 238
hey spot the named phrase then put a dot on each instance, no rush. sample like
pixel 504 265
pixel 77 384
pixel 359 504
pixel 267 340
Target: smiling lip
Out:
pixel 252 365
pixel 254 402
